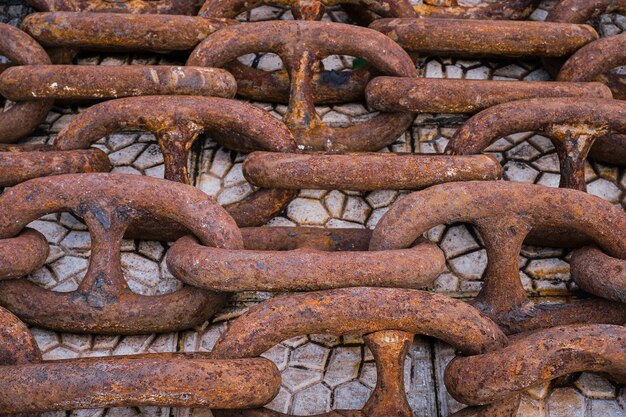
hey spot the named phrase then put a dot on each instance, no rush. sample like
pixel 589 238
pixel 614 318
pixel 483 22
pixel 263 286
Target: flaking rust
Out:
pixel 176 122
pixel 386 318
pixel 581 11
pixel 578 11
pixel 594 62
pixel 486 38
pixel 120 32
pixel 108 203
pixel 290 238
pixel 573 126
pixel 97 82
pixel 301 44
pixel 23 254
pixel 537 358
pixel 23 162
pixel 24 117
pixel 599 273
pixel 327 86
pixel 365 171
pixel 434 95
pixel 303 268
pixel 309 9
pixel 174 7
pixel 17 347
pixel 31 385
pixel 353 268
pixel 499 9
pixel 504 213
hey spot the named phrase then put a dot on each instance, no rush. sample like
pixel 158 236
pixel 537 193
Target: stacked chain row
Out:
pixel 339 281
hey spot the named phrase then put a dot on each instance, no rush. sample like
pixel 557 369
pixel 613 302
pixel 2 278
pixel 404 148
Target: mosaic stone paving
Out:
pixel 322 372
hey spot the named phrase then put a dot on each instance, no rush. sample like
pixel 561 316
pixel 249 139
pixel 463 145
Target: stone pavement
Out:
pixel 322 372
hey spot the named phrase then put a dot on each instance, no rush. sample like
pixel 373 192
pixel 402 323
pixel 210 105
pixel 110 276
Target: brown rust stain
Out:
pixel 497 10
pixel 24 162
pixel 594 61
pixel 83 82
pixel 30 385
pixel 506 38
pixel 365 171
pixel 433 95
pixel 172 7
pixel 302 269
pixel 599 273
pixel 121 32
pixel 23 254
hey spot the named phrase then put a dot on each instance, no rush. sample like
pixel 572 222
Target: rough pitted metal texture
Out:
pixel 321 372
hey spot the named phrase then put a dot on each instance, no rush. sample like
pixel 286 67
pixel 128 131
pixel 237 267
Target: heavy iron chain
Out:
pixel 349 281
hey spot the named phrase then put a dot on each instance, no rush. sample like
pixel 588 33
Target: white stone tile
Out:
pixel 566 402
pixel 595 386
pixel 307 211
pixel 343 366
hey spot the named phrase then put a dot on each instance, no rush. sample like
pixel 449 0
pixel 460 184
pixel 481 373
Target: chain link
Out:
pixel 346 281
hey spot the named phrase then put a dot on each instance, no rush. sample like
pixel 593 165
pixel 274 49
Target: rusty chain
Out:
pixel 572 126
pixel 173 7
pixel 504 213
pixel 353 281
pixel 24 117
pixel 136 380
pixel 108 204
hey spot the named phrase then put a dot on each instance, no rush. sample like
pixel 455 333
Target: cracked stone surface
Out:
pixel 324 372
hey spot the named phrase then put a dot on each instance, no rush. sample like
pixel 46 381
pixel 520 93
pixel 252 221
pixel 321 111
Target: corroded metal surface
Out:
pixel 326 87
pixel 120 32
pixel 599 273
pixel 504 213
pixel 359 311
pixel 184 7
pixel 538 357
pixel 300 45
pixel 31 385
pixel 24 117
pixel 302 269
pixel 178 380
pixel 17 347
pixel 611 149
pixel 365 171
pixel 308 10
pixel 290 238
pixel 572 125
pixel 21 163
pixel 314 366
pixel 104 82
pixel 477 38
pixel 369 312
pixel 499 9
pixel 108 203
pixel 578 11
pixel 434 95
pixel 594 61
pixel 177 122
pixel 23 254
